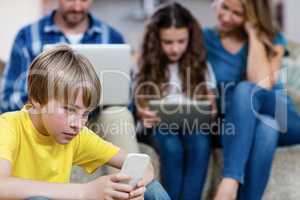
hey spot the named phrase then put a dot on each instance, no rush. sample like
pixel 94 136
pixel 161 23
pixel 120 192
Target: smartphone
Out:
pixel 135 166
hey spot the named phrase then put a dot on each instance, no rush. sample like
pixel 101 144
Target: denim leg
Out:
pixel 260 162
pixel 292 135
pixel 237 144
pixel 170 150
pixel 197 148
pixel 156 192
pixel 281 108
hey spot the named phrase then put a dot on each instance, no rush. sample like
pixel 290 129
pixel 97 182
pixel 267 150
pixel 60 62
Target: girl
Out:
pixel 172 67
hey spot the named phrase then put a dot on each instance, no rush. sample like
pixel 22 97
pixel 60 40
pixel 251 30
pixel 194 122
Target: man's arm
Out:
pixel 13 85
pixel 116 37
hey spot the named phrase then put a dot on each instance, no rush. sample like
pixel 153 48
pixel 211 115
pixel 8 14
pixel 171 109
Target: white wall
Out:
pixel 292 19
pixel 14 15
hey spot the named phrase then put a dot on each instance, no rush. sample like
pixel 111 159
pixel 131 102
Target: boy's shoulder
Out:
pixel 12 125
pixel 12 119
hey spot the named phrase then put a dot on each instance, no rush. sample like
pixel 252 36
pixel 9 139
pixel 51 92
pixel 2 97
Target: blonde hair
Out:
pixel 259 14
pixel 60 73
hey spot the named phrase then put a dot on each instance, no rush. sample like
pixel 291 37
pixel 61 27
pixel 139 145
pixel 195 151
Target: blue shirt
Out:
pixel 29 43
pixel 229 67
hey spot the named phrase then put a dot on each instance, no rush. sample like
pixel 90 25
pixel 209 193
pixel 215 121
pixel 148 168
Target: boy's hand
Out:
pixel 108 188
pixel 139 191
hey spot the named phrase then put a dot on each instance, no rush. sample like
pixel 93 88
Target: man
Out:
pixel 70 23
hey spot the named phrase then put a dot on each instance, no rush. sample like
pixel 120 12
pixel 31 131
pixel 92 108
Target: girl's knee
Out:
pixel 244 87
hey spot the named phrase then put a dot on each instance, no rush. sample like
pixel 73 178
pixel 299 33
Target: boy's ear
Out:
pixel 35 104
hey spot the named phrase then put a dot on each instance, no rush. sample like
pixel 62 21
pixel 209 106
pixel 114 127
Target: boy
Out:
pixel 40 143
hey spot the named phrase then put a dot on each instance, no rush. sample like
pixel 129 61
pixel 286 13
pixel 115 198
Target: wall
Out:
pixel 14 15
pixel 292 19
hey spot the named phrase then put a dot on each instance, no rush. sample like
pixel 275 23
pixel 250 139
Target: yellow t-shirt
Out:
pixel 37 157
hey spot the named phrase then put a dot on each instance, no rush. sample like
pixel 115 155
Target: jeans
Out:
pixel 184 161
pixel 259 163
pixel 38 198
pixel 154 192
pixel 237 142
pixel 249 150
pixel 283 111
pixel 259 116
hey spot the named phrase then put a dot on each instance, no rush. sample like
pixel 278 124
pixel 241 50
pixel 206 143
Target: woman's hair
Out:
pixel 259 13
pixel 60 74
pixel 153 71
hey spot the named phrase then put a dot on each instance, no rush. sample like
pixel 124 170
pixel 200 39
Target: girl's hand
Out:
pixel 212 98
pixel 148 117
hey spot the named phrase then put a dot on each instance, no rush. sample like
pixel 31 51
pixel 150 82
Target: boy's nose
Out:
pixel 76 124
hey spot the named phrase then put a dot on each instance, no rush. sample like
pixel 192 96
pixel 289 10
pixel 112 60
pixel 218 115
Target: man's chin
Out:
pixel 73 23
pixel 74 20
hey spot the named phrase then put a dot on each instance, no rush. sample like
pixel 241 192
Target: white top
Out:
pixel 74 38
pixel 175 93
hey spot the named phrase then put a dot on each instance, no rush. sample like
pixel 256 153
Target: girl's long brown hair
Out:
pixel 153 62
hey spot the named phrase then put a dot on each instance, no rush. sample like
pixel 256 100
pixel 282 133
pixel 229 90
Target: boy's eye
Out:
pixel 69 109
pixel 86 114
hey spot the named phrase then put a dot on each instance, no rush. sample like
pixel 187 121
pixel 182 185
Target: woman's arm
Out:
pixel 261 69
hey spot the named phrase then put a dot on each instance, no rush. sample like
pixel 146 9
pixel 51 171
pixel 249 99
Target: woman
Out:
pixel 172 67
pixel 245 45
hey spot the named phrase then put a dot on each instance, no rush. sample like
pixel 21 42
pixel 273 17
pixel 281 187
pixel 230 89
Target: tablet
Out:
pixel 191 114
